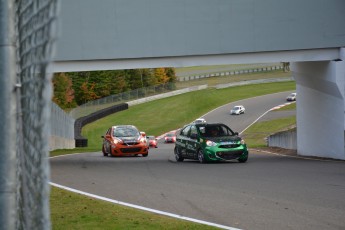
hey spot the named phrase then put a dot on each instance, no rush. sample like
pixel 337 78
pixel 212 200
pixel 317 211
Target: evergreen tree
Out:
pixel 119 83
pixel 149 78
pixel 170 72
pixel 134 79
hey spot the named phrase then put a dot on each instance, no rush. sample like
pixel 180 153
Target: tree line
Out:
pixel 72 89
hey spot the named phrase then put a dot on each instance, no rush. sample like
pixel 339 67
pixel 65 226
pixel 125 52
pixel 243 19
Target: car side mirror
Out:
pixel 102 136
pixel 236 133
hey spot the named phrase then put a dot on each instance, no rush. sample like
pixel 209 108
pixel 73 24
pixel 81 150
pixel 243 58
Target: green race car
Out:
pixel 209 143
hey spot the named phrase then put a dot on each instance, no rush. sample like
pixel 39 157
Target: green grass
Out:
pixel 288 107
pixel 255 136
pixel 58 152
pixel 74 211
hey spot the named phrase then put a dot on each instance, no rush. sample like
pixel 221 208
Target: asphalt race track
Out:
pixel 268 192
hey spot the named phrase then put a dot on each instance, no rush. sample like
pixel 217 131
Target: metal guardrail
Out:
pixel 230 72
pixel 284 139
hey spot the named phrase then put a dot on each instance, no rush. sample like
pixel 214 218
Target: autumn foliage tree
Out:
pixel 161 75
pixel 63 92
pixel 87 92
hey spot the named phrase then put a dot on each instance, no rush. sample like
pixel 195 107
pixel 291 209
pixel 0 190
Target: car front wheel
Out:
pixel 178 156
pixel 111 151
pixel 201 157
pixel 104 152
pixel 243 160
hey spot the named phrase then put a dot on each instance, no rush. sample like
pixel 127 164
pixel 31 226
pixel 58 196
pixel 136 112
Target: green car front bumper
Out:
pixel 221 154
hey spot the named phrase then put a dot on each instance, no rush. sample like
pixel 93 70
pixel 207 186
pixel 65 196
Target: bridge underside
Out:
pixel 320 108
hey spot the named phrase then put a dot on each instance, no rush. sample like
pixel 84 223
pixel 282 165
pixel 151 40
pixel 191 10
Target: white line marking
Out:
pixel 274 108
pixel 69 154
pixel 143 208
pixel 255 121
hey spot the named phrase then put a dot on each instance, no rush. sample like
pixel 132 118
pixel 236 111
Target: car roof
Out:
pixel 208 124
pixel 124 126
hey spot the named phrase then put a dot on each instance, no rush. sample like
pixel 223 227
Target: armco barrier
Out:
pixel 81 141
pixel 169 94
pixel 284 139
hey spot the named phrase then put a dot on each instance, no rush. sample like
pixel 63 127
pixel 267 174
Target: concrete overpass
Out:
pixel 122 34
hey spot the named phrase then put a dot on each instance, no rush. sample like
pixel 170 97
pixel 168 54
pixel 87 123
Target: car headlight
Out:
pixel 243 142
pixel 210 143
pixel 117 141
pixel 143 140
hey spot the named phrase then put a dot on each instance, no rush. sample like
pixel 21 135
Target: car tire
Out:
pixel 104 152
pixel 243 160
pixel 178 156
pixel 110 152
pixel 201 157
pixel 145 155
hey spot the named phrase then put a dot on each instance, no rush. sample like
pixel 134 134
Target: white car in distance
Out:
pixel 199 121
pixel 292 97
pixel 237 109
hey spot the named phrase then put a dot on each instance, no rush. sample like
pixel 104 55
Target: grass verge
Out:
pixel 78 212
pixel 255 135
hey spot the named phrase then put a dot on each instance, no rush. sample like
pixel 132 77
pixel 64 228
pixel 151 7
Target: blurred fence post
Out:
pixel 7 115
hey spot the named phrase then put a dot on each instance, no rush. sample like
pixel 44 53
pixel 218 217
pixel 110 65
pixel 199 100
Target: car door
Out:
pixel 181 141
pixel 192 144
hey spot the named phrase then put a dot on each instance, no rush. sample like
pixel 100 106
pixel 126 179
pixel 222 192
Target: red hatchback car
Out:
pixel 152 140
pixel 170 137
pixel 124 140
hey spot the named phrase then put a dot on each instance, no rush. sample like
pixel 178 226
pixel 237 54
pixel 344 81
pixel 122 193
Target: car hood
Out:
pixel 224 139
pixel 129 139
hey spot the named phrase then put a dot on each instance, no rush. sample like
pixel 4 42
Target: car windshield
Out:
pixel 236 108
pixel 170 135
pixel 126 132
pixel 151 137
pixel 215 131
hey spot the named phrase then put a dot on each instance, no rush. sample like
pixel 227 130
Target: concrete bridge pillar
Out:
pixel 320 108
